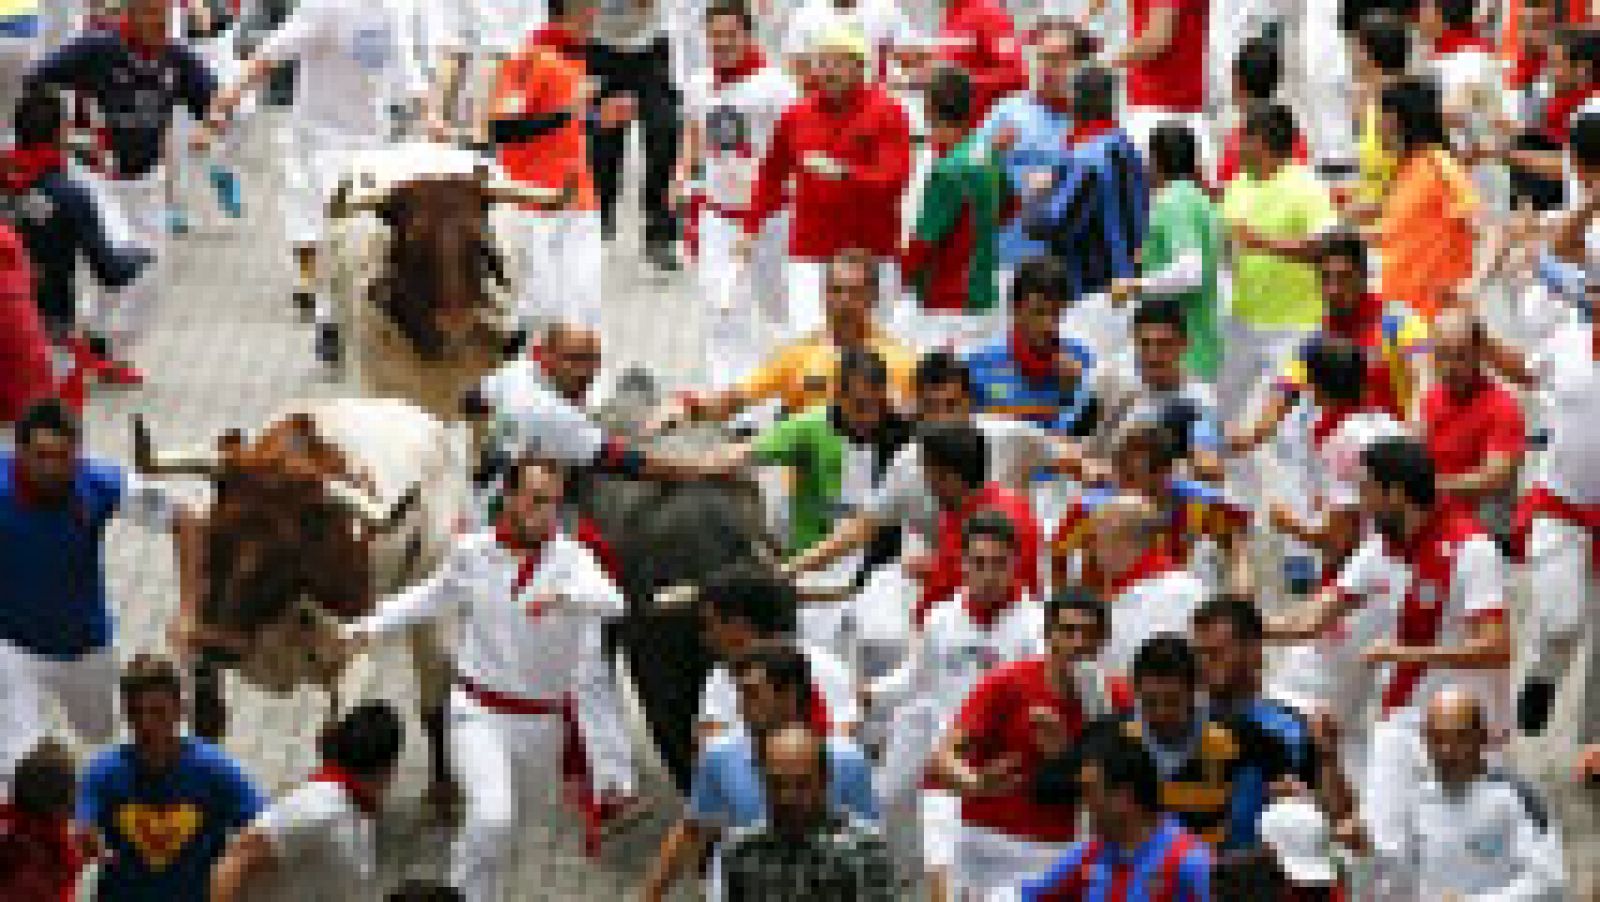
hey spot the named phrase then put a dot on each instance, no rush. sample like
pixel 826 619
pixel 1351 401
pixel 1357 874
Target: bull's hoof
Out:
pixel 305 304
pixel 330 350
pixel 442 798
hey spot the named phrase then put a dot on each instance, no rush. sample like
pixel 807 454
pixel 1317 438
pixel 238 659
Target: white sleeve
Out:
pixel 556 431
pixel 719 700
pixel 147 503
pixel 1362 575
pixel 1536 854
pixel 898 685
pixel 294 823
pixel 838 690
pixel 902 483
pixel 1480 576
pixel 304 27
pixel 587 589
pixel 422 602
pixel 1186 273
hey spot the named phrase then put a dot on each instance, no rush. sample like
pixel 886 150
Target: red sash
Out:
pixel 1541 502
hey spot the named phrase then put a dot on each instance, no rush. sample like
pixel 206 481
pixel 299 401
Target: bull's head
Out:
pixel 289 521
pixel 441 254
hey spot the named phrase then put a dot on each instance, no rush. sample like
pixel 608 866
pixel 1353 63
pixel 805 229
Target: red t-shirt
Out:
pixel 39 861
pixel 945 576
pixel 984 42
pixel 1462 432
pixel 1176 78
pixel 997 719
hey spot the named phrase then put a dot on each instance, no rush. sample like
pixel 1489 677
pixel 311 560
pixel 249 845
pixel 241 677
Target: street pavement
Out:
pixel 227 349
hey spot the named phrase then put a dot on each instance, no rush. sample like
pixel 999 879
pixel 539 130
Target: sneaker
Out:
pixel 177 221
pixel 329 348
pixel 662 256
pixel 305 303
pixel 1534 705
pixel 230 197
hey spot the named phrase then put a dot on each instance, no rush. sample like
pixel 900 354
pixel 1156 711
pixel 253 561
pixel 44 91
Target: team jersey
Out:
pixel 736 119
pixel 1171 866
pixel 1007 384
pixel 1392 337
pixel 952 258
pixel 1095 216
pixel 1175 79
pixel 1434 588
pixel 1195 512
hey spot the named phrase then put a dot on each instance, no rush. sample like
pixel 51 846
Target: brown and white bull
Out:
pixel 417 281
pixel 331 505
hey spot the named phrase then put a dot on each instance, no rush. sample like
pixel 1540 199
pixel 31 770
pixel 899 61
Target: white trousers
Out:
pixel 599 711
pixel 134 213
pixel 1562 587
pixel 988 861
pixel 562 261
pixel 509 768
pixel 738 299
pixel 84 687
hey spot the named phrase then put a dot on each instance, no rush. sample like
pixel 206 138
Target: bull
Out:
pixel 328 507
pixel 420 284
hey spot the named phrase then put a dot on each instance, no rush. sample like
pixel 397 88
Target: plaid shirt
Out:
pixel 841 859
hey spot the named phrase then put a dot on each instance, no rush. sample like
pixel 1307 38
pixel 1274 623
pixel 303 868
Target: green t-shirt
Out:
pixel 1182 221
pixel 808 443
pixel 1270 291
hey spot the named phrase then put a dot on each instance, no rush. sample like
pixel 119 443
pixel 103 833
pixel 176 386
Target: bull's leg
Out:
pixel 432 669
pixel 208 716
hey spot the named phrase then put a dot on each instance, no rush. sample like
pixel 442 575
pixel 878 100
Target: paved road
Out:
pixel 227 349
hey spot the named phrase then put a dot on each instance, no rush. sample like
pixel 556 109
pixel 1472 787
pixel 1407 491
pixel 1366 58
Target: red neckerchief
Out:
pixel 1458 40
pixel 1059 105
pixel 985 616
pixel 359 794
pixel 527 555
pixel 1153 562
pixel 559 38
pixel 22 166
pixel 1088 131
pixel 1529 65
pixel 1360 326
pixel 816 713
pixel 1559 108
pixel 130 39
pixel 750 63
pixel 1033 364
pixel 1329 418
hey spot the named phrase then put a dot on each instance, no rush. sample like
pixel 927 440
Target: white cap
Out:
pixel 1297 833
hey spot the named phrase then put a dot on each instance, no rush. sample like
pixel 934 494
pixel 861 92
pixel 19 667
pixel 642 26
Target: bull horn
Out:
pixel 544 198
pixel 148 463
pixel 376 518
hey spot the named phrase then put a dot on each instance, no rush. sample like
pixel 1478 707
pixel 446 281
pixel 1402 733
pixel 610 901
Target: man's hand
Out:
pixel 1004 139
pixel 1589 763
pixel 1038 182
pixel 1069 370
pixel 202 137
pixel 439 130
pixel 1121 291
pixel 1244 237
pixel 996 778
pixel 821 164
pixel 617 110
pixel 1281 518
pixel 666 417
pixel 1095 471
pixel 1050 735
pixel 1382 653
pixel 536 606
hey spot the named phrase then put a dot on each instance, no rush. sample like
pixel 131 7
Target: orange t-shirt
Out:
pixel 542 81
pixel 1427 239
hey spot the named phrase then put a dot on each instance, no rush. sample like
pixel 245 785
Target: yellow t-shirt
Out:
pixel 802 374
pixel 1270 290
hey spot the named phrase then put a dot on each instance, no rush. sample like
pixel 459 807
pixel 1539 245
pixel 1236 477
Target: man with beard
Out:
pixel 55 616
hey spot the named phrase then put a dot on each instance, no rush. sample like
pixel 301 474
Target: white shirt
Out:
pixel 536 418
pixel 1330 470
pixel 526 644
pixel 1163 603
pixel 954 650
pixel 1568 370
pixel 1493 841
pixel 880 22
pixel 719 700
pixel 356 60
pixel 481 26
pixel 737 121
pixel 324 848
pixel 1476 586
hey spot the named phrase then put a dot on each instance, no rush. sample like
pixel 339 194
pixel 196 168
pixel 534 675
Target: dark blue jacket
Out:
pixel 136 96
pixel 59 222
pixel 1096 215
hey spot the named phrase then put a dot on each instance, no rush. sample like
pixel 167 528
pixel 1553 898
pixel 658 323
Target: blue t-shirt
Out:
pixel 1000 388
pixel 1041 131
pixel 1096 215
pixel 165 831
pixel 1092 868
pixel 727 791
pixel 52 596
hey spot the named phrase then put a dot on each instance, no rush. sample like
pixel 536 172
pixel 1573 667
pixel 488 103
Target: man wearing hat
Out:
pixel 841 160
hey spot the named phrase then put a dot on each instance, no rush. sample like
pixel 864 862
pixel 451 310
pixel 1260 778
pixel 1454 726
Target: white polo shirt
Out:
pixel 357 59
pixel 1161 602
pixel 954 650
pixel 323 845
pixel 1492 840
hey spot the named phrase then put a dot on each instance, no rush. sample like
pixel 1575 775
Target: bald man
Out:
pixel 1147 590
pixel 1465 830
pixel 1473 426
